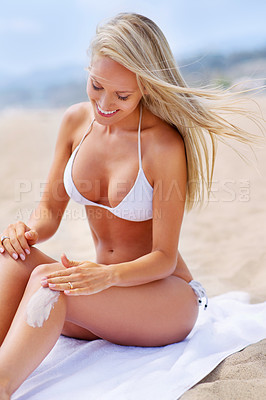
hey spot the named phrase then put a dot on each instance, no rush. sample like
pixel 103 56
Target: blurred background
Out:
pixel 43 44
pixel 43 58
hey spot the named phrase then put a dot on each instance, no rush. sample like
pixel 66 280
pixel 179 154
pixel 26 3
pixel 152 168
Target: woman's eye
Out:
pixel 122 98
pixel 95 87
pixel 100 88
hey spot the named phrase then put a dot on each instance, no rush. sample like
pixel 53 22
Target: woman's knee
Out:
pixel 25 268
pixel 6 260
pixel 45 269
pixel 10 267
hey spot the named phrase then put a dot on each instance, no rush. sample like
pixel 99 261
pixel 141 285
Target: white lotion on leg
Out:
pixel 40 306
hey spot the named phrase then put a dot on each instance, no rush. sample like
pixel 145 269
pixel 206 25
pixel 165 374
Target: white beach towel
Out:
pixel 100 370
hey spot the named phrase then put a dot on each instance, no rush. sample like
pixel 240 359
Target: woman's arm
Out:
pixel 170 177
pixel 46 218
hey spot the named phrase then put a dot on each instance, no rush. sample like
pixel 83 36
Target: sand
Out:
pixel 224 243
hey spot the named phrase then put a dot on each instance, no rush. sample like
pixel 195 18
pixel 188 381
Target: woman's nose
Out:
pixel 106 102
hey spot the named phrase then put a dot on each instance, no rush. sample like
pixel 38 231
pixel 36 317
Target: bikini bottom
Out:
pixel 200 292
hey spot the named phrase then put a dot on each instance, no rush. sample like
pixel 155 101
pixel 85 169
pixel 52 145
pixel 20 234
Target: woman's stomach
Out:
pixel 117 241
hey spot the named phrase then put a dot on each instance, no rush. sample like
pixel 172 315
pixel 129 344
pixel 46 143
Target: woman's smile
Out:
pixel 105 113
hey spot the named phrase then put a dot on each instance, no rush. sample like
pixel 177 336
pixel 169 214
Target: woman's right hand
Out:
pixel 19 238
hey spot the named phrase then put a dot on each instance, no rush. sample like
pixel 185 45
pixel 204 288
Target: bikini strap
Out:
pixel 87 132
pixel 139 143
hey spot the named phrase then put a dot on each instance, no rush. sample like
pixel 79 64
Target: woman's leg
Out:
pixel 14 276
pixel 153 314
pixel 25 347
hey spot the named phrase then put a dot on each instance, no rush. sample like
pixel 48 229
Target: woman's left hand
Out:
pixel 80 278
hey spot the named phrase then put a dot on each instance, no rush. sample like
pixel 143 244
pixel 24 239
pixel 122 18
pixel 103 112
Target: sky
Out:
pixel 43 34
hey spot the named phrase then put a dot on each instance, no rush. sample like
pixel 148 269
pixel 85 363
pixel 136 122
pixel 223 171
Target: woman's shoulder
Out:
pixel 162 138
pixel 77 114
pixel 75 121
pixel 163 148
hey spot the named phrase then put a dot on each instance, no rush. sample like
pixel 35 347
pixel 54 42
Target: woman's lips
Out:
pixel 106 114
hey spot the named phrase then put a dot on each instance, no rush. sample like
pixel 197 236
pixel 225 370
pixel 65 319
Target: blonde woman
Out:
pixel 134 157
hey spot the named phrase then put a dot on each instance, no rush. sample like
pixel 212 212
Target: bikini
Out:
pixel 136 205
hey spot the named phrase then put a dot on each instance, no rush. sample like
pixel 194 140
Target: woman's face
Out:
pixel 112 89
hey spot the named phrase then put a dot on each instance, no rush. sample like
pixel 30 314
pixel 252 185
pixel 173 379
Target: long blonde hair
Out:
pixel 138 44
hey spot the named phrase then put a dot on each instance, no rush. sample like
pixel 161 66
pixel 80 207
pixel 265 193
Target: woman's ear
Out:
pixel 144 91
pixel 141 86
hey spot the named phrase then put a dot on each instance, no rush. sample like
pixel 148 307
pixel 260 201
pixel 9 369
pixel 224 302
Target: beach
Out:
pixel 223 243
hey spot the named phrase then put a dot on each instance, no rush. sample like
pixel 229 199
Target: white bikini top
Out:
pixel 135 206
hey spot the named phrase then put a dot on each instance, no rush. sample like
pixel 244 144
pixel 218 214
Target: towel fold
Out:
pixel 100 370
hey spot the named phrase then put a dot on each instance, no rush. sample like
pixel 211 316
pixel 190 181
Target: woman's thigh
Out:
pixel 154 314
pixel 35 258
pixel 77 332
pixel 39 265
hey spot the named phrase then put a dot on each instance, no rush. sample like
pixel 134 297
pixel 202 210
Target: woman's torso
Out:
pixel 104 170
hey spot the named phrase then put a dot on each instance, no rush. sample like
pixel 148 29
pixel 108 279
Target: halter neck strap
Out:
pixel 139 130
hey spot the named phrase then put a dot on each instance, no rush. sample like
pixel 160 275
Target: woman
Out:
pixel 133 156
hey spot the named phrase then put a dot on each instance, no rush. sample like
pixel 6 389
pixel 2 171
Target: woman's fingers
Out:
pixel 63 272
pixel 15 242
pixel 12 244
pixel 20 232
pixel 68 282
pixel 6 244
pixel 58 278
pixel 82 280
pixel 62 286
pixel 85 291
pixel 61 280
pixel 79 272
pixel 65 261
pixel 81 291
pixel 68 263
pixel 58 282
pixel 31 236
